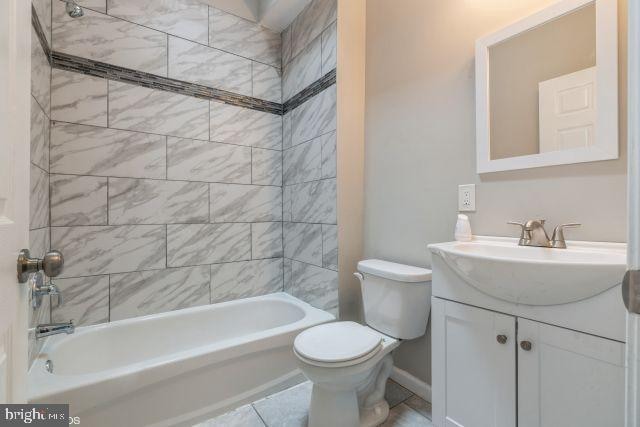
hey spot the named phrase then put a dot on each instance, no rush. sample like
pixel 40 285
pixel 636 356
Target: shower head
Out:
pixel 73 10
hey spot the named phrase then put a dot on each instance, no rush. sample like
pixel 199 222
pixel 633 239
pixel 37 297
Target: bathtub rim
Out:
pixel 42 384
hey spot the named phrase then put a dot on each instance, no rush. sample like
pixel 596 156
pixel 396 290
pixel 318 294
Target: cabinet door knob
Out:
pixel 502 339
pixel 525 345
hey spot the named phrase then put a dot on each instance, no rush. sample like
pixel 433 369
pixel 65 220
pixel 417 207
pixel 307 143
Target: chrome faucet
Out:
pixel 39 289
pixel 54 328
pixel 534 234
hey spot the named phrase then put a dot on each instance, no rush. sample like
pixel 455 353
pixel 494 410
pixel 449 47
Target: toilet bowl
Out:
pixel 349 363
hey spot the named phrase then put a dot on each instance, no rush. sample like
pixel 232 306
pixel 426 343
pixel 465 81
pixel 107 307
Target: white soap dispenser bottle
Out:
pixel 463 229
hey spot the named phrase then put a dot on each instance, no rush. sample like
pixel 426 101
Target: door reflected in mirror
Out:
pixel 542 87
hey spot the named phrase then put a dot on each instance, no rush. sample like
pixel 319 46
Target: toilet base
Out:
pixel 374 416
pixel 352 407
pixel 333 408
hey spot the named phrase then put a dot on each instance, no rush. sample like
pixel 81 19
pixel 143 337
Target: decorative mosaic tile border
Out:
pixel 113 72
pixel 77 64
pixel 310 91
pixel 35 21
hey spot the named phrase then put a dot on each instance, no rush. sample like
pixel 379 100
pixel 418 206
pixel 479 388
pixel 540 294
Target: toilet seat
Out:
pixel 337 344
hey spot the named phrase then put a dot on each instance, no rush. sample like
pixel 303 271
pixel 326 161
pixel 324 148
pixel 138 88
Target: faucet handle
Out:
pixel 54 290
pixel 523 230
pixel 522 226
pixel 557 240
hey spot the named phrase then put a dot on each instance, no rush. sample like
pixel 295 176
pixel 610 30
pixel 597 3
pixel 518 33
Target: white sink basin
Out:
pixel 535 276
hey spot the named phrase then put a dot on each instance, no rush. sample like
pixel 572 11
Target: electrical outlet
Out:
pixel 467 198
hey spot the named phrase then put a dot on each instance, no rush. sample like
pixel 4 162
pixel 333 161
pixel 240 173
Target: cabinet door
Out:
pixel 568 378
pixel 474 375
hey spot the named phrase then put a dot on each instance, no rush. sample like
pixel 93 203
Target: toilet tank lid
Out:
pixel 394 271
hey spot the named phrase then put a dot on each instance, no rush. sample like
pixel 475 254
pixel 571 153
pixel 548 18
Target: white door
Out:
pixel 15 34
pixel 563 376
pixel 567 111
pixel 633 256
pixel 474 366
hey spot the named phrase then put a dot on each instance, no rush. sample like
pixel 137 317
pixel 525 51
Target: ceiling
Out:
pixel 273 14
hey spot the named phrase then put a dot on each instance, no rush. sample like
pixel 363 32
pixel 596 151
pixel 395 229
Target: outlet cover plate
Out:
pixel 467 198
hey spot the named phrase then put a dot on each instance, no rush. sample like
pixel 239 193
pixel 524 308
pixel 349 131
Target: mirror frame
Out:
pixel 606 145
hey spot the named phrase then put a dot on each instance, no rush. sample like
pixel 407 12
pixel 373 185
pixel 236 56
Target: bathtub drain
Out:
pixel 49 366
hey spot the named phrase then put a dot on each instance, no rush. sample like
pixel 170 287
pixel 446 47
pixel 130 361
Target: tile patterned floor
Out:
pixel 288 408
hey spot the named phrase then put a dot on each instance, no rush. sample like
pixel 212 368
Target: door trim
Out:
pixel 632 407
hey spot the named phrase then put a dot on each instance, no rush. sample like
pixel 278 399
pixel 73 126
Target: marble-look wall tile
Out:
pixel 266 167
pixel 195 244
pixel 303 242
pixel 302 163
pixel 150 201
pixel 78 98
pixel 39 198
pixel 286 203
pixel 242 37
pixel 314 285
pixel 231 281
pixel 286 45
pixel 148 110
pixel 94 250
pixel 97 5
pixel 43 11
pixel 245 203
pixel 314 202
pixel 286 131
pixel 315 117
pixel 303 70
pixel 329 48
pixel 287 280
pixel 40 133
pixel 40 74
pixel 267 82
pixel 107 39
pixel 310 23
pixel 86 300
pixel 78 200
pixel 237 125
pixel 329 159
pixel 39 243
pixel 330 246
pixel 193 62
pixel 266 240
pixel 148 292
pixel 89 150
pixel 194 160
pixel 185 18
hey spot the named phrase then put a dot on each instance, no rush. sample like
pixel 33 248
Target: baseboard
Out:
pixel 412 383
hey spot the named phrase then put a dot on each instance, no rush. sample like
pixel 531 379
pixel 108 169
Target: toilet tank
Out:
pixel 396 297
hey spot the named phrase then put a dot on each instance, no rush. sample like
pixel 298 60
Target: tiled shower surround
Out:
pixel 161 200
pixel 309 158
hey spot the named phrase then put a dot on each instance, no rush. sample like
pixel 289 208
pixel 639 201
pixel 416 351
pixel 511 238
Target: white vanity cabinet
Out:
pixel 483 359
pixel 568 378
pixel 473 374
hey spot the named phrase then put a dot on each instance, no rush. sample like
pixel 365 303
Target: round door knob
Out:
pixel 502 339
pixel 525 345
pixel 53 263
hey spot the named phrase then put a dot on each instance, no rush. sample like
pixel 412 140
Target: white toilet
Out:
pixel 349 363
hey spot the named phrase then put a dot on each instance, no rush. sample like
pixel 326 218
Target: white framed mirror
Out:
pixel 547 88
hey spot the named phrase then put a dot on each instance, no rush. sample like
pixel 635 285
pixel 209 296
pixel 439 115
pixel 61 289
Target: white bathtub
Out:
pixel 174 368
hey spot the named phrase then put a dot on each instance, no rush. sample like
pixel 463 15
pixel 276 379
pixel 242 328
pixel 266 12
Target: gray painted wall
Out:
pixel 420 143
